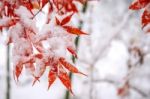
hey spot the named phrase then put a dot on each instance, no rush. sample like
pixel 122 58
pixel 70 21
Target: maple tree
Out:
pixel 29 52
pixel 57 32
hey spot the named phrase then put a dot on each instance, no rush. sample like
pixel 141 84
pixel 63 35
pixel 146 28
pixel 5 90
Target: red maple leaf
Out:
pixel 142 4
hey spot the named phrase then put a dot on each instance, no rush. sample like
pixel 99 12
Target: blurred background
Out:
pixel 115 56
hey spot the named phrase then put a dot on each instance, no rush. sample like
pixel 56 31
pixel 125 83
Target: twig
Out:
pixel 8 75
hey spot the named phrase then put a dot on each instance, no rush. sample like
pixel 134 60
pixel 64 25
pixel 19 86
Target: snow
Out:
pixel 112 30
pixel 38 91
pixel 23 12
pixel 114 60
pixel 4 21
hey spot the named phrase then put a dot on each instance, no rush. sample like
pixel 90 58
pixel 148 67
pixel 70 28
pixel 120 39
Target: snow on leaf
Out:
pixel 142 4
pixel 36 49
pixel 8 22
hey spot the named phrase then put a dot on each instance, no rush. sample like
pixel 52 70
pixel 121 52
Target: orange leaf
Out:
pixel 66 19
pixel 145 18
pixel 70 67
pixel 74 8
pixel 139 4
pixel 72 51
pixel 35 4
pixel 40 56
pixel 51 78
pixel 17 71
pixel 65 80
pixel 44 2
pixel 73 30
pixel 57 21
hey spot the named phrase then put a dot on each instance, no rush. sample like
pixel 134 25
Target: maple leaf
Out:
pixel 145 18
pixel 44 2
pixel 70 67
pixel 66 20
pixel 142 4
pixel 139 4
pixel 51 77
pixel 64 78
pixel 24 34
pixel 73 30
pixel 17 71
pixel 72 51
pixel 35 5
pixel 74 8
pixel 57 21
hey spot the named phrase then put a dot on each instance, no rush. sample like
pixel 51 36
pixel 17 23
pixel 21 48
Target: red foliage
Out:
pixel 143 4
pixel 73 30
pixel 25 56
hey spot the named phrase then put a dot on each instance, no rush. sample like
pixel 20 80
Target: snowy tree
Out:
pixel 113 53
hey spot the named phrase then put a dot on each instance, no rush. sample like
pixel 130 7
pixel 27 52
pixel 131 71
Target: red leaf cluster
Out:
pixel 23 35
pixel 69 29
pixel 143 4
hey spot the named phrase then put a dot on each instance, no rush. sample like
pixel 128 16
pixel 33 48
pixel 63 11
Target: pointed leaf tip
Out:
pixel 64 78
pixel 57 21
pixel 66 19
pixel 51 78
pixel 72 51
pixel 35 80
pixel 73 30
